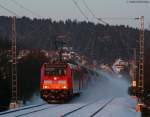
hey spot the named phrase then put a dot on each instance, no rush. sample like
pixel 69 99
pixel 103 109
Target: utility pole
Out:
pixel 14 96
pixel 140 90
pixel 141 59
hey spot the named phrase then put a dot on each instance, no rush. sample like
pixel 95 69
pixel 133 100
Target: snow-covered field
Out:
pixel 111 86
pixel 106 88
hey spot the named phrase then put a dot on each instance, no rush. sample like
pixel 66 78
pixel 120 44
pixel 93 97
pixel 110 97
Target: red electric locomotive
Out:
pixel 60 81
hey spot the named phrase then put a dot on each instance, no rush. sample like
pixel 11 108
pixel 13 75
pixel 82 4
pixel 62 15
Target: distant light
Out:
pixel 134 83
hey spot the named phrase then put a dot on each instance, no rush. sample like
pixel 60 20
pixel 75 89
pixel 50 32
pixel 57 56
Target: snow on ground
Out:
pixel 107 86
pixel 111 86
pixel 89 110
pixel 34 100
pixel 120 107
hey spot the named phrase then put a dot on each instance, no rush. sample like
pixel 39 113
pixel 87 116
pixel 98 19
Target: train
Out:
pixel 60 81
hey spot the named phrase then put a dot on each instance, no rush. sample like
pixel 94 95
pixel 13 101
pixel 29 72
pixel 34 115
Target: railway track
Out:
pixel 27 110
pixel 19 109
pixel 102 106
pixel 37 110
pixel 64 110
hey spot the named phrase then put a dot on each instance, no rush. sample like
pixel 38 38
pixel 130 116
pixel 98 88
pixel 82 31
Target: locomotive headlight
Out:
pixel 65 87
pixel 45 87
pixel 55 78
pixel 62 82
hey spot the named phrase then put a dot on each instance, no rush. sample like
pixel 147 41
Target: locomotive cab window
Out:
pixel 55 71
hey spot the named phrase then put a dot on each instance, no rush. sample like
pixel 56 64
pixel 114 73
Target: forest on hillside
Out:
pixel 103 43
pixel 95 40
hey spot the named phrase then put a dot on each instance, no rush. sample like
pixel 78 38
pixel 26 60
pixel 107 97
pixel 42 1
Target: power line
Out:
pixel 100 19
pixel 108 18
pixel 85 4
pixel 89 9
pixel 119 18
pixel 23 7
pixel 8 10
pixel 76 4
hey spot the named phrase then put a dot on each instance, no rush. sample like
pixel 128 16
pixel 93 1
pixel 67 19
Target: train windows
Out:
pixel 55 71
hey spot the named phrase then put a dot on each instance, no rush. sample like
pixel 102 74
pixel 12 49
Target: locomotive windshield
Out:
pixel 55 71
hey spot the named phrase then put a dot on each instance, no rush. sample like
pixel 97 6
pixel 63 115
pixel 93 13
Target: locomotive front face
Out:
pixel 55 83
pixel 55 78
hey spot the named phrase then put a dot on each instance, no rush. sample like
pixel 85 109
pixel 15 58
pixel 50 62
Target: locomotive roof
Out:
pixel 61 64
pixel 55 64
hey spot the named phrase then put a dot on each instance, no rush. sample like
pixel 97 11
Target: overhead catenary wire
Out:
pixel 76 4
pixel 107 18
pixel 25 8
pixel 8 10
pixel 85 4
pixel 99 19
pixel 120 18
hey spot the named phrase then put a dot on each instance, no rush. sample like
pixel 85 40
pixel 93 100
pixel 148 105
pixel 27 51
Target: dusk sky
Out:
pixel 65 9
